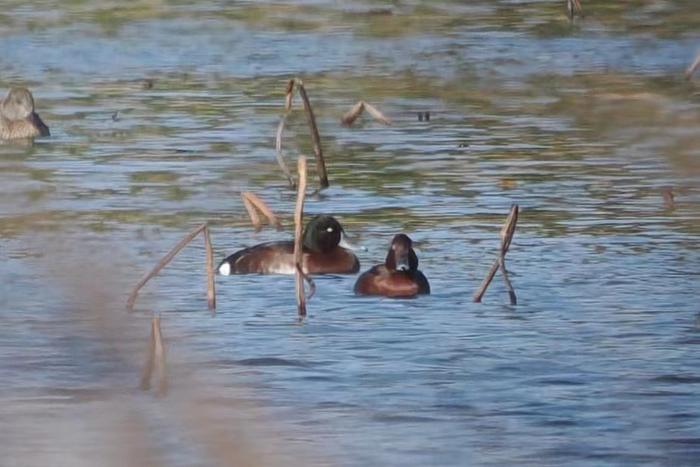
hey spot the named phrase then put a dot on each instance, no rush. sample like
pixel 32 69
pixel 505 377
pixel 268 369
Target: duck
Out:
pixel 17 116
pixel 325 251
pixel 398 277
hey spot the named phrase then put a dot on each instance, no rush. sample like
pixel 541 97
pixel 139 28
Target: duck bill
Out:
pixel 348 245
pixel 402 263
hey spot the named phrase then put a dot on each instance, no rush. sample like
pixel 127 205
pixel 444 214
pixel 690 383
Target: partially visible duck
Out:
pixel 17 116
pixel 322 253
pixel 398 276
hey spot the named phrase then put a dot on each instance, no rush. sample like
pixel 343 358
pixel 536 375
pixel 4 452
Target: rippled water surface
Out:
pixel 162 112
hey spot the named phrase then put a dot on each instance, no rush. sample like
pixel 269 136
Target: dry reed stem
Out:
pixel 211 278
pixel 156 361
pixel 315 136
pixel 253 204
pixel 506 234
pixel 167 258
pixel 298 229
pixel 376 114
pixel 278 152
pixel 573 8
pixel 351 115
pixel 252 213
pixel 264 209
pixel 289 95
pixel 669 198
pixel 693 67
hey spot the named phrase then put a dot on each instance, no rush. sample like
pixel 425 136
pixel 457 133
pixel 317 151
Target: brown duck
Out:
pixel 17 116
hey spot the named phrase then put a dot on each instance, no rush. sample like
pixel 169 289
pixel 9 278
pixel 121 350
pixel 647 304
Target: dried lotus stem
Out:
pixel 169 257
pixel 506 234
pixel 253 204
pixel 351 115
pixel 376 114
pixel 315 136
pixel 156 361
pixel 573 8
pixel 693 67
pixel 278 152
pixel 289 95
pixel 298 230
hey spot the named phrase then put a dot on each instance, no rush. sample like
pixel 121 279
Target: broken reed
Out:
pixel 209 265
pixel 351 115
pixel 573 8
pixel 254 204
pixel 298 231
pixel 506 235
pixel 278 152
pixel 693 67
pixel 313 127
pixel 155 361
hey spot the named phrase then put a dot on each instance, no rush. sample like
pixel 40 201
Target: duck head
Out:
pixel 401 256
pixel 322 233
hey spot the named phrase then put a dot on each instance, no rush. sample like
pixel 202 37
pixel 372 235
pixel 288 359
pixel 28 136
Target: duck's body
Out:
pixel 278 258
pixel 398 276
pixel 321 253
pixel 17 116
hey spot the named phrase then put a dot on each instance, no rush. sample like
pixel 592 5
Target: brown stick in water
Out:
pixel 573 8
pixel 278 152
pixel 376 114
pixel 254 203
pixel 252 213
pixel 693 67
pixel 506 234
pixel 164 262
pixel 315 137
pixel 156 361
pixel 351 115
pixel 298 229
pixel 289 95
pixel 211 278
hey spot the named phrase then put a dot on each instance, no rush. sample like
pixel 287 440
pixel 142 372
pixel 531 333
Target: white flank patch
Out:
pixel 225 269
pixel 282 269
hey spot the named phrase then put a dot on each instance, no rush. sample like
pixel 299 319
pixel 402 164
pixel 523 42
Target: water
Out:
pixel 584 126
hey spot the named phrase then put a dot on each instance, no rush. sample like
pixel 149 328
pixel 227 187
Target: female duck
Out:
pixel 17 116
pixel 322 253
pixel 398 276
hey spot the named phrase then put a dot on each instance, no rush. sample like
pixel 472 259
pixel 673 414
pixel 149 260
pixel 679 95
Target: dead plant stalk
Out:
pixel 313 127
pixel 211 291
pixel 253 203
pixel 300 276
pixel 506 235
pixel 155 361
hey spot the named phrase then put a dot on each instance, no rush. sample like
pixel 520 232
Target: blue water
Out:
pixel 583 126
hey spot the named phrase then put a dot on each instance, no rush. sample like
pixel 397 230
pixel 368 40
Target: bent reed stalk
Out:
pixel 253 203
pixel 300 276
pixel 209 265
pixel 506 235
pixel 155 361
pixel 351 115
pixel 321 171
